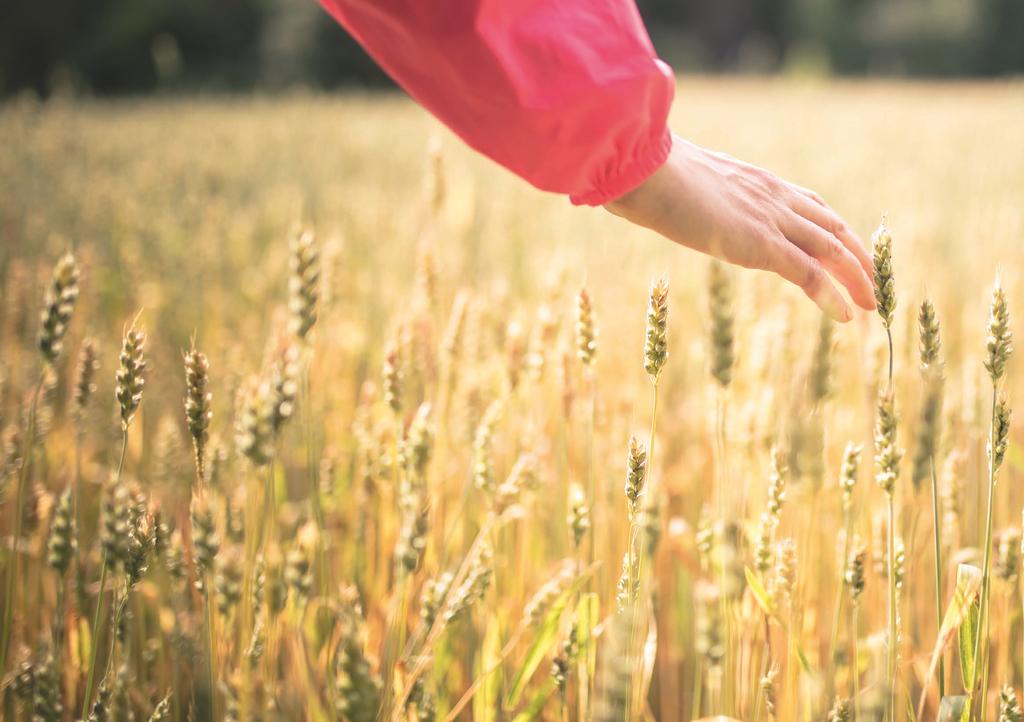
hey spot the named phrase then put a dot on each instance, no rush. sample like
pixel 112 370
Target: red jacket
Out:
pixel 567 94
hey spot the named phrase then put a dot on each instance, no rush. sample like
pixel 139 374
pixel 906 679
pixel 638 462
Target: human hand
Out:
pixel 748 216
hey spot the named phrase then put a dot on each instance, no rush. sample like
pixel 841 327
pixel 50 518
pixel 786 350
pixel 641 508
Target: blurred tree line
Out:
pixel 130 46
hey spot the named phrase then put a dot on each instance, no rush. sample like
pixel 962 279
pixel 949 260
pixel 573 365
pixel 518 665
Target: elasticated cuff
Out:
pixel 632 175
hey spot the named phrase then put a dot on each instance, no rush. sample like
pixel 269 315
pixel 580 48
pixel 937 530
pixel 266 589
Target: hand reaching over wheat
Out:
pixel 746 215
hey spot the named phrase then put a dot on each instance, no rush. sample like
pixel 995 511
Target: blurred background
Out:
pixel 136 46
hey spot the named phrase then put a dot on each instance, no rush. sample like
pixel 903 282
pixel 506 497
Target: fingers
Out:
pixel 819 243
pixel 787 260
pixel 811 206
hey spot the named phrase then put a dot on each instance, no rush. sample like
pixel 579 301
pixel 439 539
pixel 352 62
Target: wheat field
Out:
pixel 309 413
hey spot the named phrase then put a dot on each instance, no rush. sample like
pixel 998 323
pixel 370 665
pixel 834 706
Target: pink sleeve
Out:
pixel 567 94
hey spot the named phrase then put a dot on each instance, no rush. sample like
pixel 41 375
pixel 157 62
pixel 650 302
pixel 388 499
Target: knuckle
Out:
pixel 761 253
pixel 834 249
pixel 812 277
pixel 771 182
pixel 836 225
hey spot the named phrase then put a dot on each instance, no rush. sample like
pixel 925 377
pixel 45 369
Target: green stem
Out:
pixel 855 662
pixel 314 480
pixel 987 564
pixel 938 571
pixel 891 541
pixel 728 661
pixel 12 573
pixel 591 486
pixel 58 626
pixel 837 618
pixel 94 641
pixel 209 647
pixel 891 672
pixel 638 555
pixel 888 332
pixel 76 508
pixel 696 705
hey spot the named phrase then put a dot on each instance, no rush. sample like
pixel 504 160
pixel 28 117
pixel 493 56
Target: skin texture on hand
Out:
pixel 748 216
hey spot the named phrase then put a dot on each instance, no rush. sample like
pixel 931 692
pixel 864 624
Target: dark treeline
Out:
pixel 130 46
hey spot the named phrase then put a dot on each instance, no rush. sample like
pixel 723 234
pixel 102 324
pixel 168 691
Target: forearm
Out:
pixel 568 94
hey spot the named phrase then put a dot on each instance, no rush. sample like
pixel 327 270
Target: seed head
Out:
pixel 763 545
pixel 821 368
pixel 628 587
pixel 101 706
pixel 561 665
pixel 899 562
pixel 998 440
pixel 297 571
pixel 392 377
pixel 63 541
pixel 768 691
pixel 140 544
pixel 85 375
pixel 115 524
pixel 848 472
pixel 885 288
pixel 636 474
pixel 720 302
pixel 483 441
pixel 841 711
pixel 887 455
pixel 522 477
pixel 579 514
pixel 284 386
pixel 854 576
pixel 434 592
pixel 162 711
pixel 929 424
pixel 1008 556
pixel 257 644
pixel 648 523
pixel 709 639
pixel 586 330
pixel 198 406
pixel 1009 707
pixel 259 581
pixel 543 599
pixel 473 587
pixel 304 283
pixel 255 434
pixel 776 483
pixel 930 336
pixel 783 582
pixel 47 696
pixel 227 581
pixel 419 442
pixel 412 538
pixel 130 375
pixel 656 346
pixel 58 306
pixel 357 689
pixel 204 534
pixel 999 343
pixel 266 406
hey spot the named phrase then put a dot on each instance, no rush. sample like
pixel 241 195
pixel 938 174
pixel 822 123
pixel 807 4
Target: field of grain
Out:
pixel 327 418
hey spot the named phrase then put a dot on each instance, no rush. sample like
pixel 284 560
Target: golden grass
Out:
pixel 451 461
